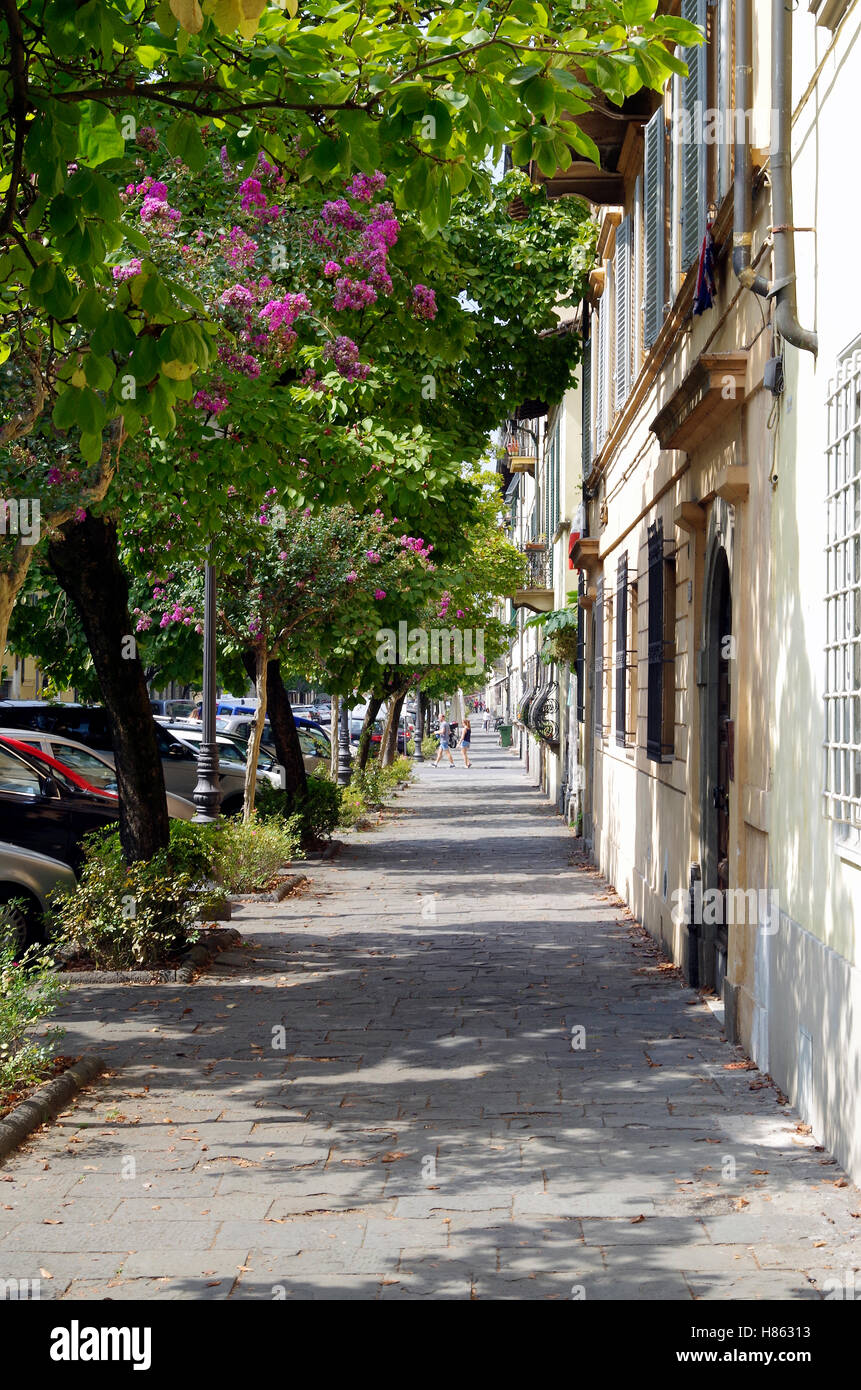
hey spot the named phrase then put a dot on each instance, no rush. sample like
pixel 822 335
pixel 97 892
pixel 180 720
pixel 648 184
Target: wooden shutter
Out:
pixel 621 649
pixel 694 89
pixel 654 218
pixel 655 696
pixel 598 662
pixel 586 403
pixel 601 402
pixel 581 650
pixel 622 282
pixel 724 94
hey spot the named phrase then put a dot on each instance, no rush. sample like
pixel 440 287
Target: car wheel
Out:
pixel 21 916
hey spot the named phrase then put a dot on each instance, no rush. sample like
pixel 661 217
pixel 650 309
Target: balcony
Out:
pixel 537 590
pixel 521 448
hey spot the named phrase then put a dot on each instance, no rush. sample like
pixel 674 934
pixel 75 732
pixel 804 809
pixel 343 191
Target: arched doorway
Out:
pixel 718 756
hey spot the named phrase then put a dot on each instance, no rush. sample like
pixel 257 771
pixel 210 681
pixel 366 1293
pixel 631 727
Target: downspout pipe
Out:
pixel 743 165
pixel 783 288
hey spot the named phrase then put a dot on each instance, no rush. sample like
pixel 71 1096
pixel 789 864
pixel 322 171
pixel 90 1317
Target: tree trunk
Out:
pixel 285 733
pixel 11 581
pixel 389 741
pixel 333 737
pixel 261 665
pixel 374 702
pixel 86 563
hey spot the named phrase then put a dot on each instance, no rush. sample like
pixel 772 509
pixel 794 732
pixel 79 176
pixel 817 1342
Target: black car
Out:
pixel 42 810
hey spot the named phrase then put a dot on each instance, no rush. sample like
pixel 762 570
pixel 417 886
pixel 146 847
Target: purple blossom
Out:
pixel 127 271
pixel 424 302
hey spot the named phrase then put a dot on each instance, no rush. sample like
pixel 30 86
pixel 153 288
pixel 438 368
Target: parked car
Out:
pixel 172 709
pixel 26 879
pixel 96 768
pixel 42 808
pixel 88 724
pixel 356 726
pixel 232 754
pixel 241 728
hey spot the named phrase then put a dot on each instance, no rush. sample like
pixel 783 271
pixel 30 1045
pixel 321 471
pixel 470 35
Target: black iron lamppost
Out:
pixel 206 794
pixel 345 760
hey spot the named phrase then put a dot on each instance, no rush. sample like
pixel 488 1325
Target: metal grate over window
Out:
pixel 843 595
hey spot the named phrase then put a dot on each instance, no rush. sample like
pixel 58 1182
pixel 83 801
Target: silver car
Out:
pixel 232 755
pixel 26 879
pixel 96 768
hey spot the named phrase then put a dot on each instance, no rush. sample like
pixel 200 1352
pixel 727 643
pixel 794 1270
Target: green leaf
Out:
pixel 91 447
pixel 638 12
pixel 184 140
pixel 539 96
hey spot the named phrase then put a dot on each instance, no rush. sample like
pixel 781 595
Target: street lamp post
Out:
pixel 418 755
pixel 345 760
pixel 206 794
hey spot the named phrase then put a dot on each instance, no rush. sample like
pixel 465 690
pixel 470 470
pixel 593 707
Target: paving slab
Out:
pixel 423 1128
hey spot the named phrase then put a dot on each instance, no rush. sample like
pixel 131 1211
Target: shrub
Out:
pixel 430 746
pixel 317 812
pixel 244 856
pixel 29 991
pixel 126 916
pixel 353 806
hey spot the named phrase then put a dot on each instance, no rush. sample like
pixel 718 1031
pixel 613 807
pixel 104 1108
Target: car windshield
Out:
pixel 231 751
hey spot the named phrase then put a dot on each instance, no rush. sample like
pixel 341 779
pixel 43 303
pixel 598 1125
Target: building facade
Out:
pixel 700 492
pixel 720 565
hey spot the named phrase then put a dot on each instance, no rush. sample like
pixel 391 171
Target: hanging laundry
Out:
pixel 705 292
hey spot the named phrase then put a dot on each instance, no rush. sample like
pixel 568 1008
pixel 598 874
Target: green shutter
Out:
pixel 694 91
pixel 654 218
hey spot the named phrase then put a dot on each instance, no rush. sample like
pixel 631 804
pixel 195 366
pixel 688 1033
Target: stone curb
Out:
pixel 196 958
pixel 286 886
pixel 47 1103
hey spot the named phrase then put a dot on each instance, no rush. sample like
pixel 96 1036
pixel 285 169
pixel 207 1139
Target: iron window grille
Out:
pixel 660 700
pixel 843 595
pixel 598 663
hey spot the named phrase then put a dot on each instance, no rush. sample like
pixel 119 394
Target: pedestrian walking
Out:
pixel 444 742
pixel 464 742
pixel 486 721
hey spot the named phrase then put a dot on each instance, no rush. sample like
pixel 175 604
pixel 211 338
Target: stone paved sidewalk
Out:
pixel 377 1097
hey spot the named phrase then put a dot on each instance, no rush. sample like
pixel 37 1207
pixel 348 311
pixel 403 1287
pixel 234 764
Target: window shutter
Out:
pixel 694 90
pixel 586 404
pixel 655 694
pixel 603 363
pixel 724 93
pixel 653 227
pixel 622 280
pixel 621 648
pixel 598 662
pixel 581 650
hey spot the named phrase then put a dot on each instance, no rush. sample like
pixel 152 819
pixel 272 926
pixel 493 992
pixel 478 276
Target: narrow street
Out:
pixel 423 1127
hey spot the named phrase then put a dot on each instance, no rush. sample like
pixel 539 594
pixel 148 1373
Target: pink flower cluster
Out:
pixel 416 544
pixel 242 362
pixel 238 295
pixel 280 313
pixel 353 294
pixel 364 186
pixel 213 405
pixel 127 271
pixel 424 302
pixel 345 355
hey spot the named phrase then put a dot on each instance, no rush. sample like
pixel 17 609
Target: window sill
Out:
pixel 848 845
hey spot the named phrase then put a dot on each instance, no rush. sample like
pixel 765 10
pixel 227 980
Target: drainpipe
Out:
pixel 743 176
pixel 783 288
